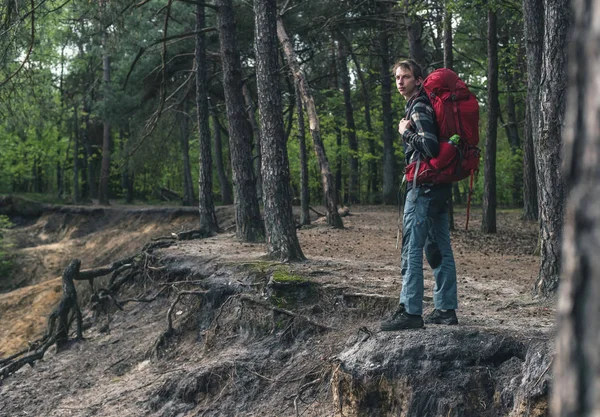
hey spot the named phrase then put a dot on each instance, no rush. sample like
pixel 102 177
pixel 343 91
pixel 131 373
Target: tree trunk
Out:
pixel 331 203
pixel 530 199
pixel 344 77
pixel 304 191
pixel 548 147
pixel 389 159
pixel 449 63
pixel 256 136
pixel 533 17
pixel 184 138
pixel 488 221
pixel 76 191
pixel 206 206
pixel 448 52
pixel 282 241
pixel 577 364
pixel 249 226
pixel 339 166
pixel 414 32
pixel 106 136
pixel 339 163
pixel 224 186
pixel 88 190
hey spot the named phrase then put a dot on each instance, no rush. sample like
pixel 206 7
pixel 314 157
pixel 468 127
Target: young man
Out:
pixel 425 222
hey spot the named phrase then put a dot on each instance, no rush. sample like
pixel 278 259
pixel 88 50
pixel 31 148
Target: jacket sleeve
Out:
pixel 421 134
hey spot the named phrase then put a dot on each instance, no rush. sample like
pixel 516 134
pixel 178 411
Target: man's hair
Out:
pixel 409 65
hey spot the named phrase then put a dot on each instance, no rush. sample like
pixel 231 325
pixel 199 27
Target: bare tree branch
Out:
pixel 30 47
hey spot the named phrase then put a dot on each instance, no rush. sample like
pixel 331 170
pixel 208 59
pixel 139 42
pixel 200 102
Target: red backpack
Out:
pixel 456 113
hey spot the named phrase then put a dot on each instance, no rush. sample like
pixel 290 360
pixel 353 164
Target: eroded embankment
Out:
pixel 47 237
pixel 267 339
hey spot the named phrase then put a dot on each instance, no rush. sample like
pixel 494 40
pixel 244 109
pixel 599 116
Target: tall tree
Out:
pixel 184 138
pixel 414 32
pixel 533 18
pixel 224 185
pixel 449 63
pixel 488 221
pixel 106 136
pixel 249 226
pixel 331 202
pixel 389 159
pixel 76 190
pixel 577 364
pixel 344 77
pixel 548 146
pixel 206 206
pixel 282 241
pixel 255 136
pixel 304 191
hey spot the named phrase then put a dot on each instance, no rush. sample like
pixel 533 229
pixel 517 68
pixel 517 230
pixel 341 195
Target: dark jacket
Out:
pixel 421 135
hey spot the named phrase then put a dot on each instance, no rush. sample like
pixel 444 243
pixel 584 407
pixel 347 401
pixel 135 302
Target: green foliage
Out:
pixel 64 79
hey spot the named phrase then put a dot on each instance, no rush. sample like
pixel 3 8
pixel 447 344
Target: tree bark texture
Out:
pixel 331 202
pixel 448 52
pixel 249 226
pixel 184 139
pixel 533 17
pixel 530 199
pixel 488 221
pixel 256 136
pixel 304 191
pixel 449 63
pixel 389 160
pixel 344 77
pixel 106 136
pixel 414 32
pixel 577 363
pixel 224 185
pixel 282 241
pixel 548 147
pixel 206 205
pixel 339 165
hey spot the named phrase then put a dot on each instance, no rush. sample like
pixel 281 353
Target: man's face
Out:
pixel 406 83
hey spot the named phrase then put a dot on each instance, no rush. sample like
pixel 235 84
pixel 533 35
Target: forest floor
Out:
pixel 123 368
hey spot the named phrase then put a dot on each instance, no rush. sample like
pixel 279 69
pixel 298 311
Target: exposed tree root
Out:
pixel 268 306
pixel 58 324
pixel 165 336
pixel 67 311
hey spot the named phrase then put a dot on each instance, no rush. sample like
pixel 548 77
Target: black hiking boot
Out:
pixel 401 320
pixel 447 317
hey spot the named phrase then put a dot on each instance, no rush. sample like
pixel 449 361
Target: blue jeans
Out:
pixel 425 227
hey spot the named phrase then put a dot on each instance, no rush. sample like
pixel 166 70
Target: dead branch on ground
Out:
pixel 316 212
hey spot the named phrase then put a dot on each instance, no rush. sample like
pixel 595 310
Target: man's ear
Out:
pixel 419 81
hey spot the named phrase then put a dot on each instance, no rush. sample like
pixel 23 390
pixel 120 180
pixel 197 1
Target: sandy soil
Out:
pixel 110 373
